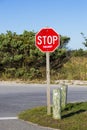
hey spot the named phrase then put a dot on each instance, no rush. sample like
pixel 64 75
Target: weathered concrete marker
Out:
pixel 63 95
pixel 57 103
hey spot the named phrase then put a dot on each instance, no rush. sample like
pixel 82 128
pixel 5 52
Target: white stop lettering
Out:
pixel 47 40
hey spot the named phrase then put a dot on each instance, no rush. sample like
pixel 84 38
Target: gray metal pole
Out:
pixel 63 95
pixel 57 103
pixel 48 82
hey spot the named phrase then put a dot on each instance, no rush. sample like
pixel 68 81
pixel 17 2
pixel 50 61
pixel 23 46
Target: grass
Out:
pixel 74 117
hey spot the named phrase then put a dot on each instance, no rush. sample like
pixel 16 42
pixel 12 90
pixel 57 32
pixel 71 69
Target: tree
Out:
pixel 64 40
pixel 85 39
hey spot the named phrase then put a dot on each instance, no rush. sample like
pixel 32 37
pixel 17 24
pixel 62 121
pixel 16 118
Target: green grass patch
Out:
pixel 74 117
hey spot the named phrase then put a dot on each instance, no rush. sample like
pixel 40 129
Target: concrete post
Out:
pixel 57 103
pixel 64 95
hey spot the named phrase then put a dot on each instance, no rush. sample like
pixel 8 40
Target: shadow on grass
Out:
pixel 73 113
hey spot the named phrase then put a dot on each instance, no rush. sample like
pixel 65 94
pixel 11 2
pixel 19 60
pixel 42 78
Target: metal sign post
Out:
pixel 48 82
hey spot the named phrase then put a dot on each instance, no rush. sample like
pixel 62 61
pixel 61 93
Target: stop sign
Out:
pixel 47 40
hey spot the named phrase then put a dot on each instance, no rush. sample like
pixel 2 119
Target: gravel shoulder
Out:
pixel 68 82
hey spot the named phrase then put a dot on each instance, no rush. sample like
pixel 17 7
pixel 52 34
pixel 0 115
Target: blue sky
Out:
pixel 67 17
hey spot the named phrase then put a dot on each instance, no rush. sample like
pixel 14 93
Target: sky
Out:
pixel 67 17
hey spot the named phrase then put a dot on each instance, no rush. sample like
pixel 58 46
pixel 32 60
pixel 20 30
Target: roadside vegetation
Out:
pixel 74 117
pixel 20 59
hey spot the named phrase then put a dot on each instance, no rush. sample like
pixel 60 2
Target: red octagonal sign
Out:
pixel 47 40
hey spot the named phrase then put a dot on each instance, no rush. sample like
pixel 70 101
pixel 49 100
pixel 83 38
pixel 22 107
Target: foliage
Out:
pixel 64 41
pixel 19 58
pixel 85 39
pixel 74 69
pixel 79 53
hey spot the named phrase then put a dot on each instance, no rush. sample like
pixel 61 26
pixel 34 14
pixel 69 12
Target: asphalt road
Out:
pixel 18 97
pixel 20 125
pixel 15 98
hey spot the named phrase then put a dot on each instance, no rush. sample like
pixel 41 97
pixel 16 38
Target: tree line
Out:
pixel 19 57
